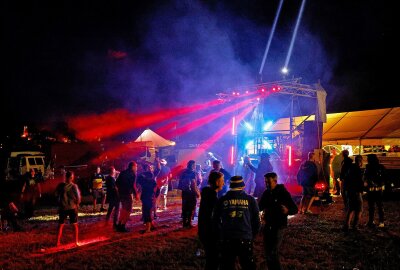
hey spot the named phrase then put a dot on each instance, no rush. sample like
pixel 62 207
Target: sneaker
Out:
pixel 308 212
pixel 103 209
pixel 381 225
pixel 300 212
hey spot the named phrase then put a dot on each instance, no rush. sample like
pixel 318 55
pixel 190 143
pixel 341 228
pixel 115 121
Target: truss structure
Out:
pixel 292 88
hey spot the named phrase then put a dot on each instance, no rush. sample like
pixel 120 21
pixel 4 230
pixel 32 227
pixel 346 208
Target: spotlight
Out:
pixel 284 70
pixel 276 88
pixel 267 125
pixel 248 126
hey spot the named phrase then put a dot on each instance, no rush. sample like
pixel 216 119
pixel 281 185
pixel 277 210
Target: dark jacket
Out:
pixel 354 180
pixel 187 182
pixel 375 175
pixel 148 184
pixel 126 183
pixel 207 204
pixel 271 203
pixel 307 176
pixel 112 192
pixel 236 216
pixel 344 171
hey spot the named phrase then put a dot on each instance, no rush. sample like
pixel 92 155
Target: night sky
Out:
pixel 58 58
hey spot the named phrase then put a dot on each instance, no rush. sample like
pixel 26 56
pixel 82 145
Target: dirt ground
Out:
pixel 310 242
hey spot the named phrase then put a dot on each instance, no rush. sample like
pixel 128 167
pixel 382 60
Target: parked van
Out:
pixel 21 162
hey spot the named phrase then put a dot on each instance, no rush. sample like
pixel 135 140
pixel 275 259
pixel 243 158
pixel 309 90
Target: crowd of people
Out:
pixel 232 208
pixel 351 181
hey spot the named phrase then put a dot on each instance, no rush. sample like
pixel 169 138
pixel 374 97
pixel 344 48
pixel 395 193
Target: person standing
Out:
pixel 97 188
pixel 190 193
pixel 69 198
pixel 148 195
pixel 126 184
pixel 374 177
pixel 8 209
pixel 31 191
pixel 113 197
pixel 263 167
pixel 207 235
pixel 236 217
pixel 217 167
pixel 276 203
pixel 344 171
pixel 248 176
pixel 307 177
pixel 163 179
pixel 336 166
pixel 354 190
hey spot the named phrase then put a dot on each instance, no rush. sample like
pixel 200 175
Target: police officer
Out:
pixel 237 219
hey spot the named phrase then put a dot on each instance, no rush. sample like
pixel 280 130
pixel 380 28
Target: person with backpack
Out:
pixel 374 181
pixel 190 193
pixel 307 177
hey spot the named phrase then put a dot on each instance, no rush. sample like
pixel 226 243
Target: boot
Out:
pixel 122 228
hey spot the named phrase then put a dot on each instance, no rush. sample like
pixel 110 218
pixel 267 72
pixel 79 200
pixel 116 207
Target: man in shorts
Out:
pixel 97 188
pixel 307 177
pixel 69 197
pixel 162 182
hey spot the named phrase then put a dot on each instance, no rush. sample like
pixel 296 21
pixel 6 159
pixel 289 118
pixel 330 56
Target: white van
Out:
pixel 21 162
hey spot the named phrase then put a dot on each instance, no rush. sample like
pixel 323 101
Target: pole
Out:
pixel 290 148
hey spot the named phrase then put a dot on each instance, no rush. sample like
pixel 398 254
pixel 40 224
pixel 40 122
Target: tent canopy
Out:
pixel 370 127
pixel 150 136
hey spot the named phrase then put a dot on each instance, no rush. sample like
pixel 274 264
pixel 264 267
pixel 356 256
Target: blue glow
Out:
pixel 294 33
pixel 268 125
pixel 250 146
pixel 271 36
pixel 248 126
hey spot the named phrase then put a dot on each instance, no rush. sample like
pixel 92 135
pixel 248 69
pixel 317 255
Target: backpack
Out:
pixel 305 175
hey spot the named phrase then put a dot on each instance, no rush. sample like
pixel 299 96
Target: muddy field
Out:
pixel 310 242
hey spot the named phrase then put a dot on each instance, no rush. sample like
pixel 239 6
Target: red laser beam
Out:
pixel 94 127
pixel 209 142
